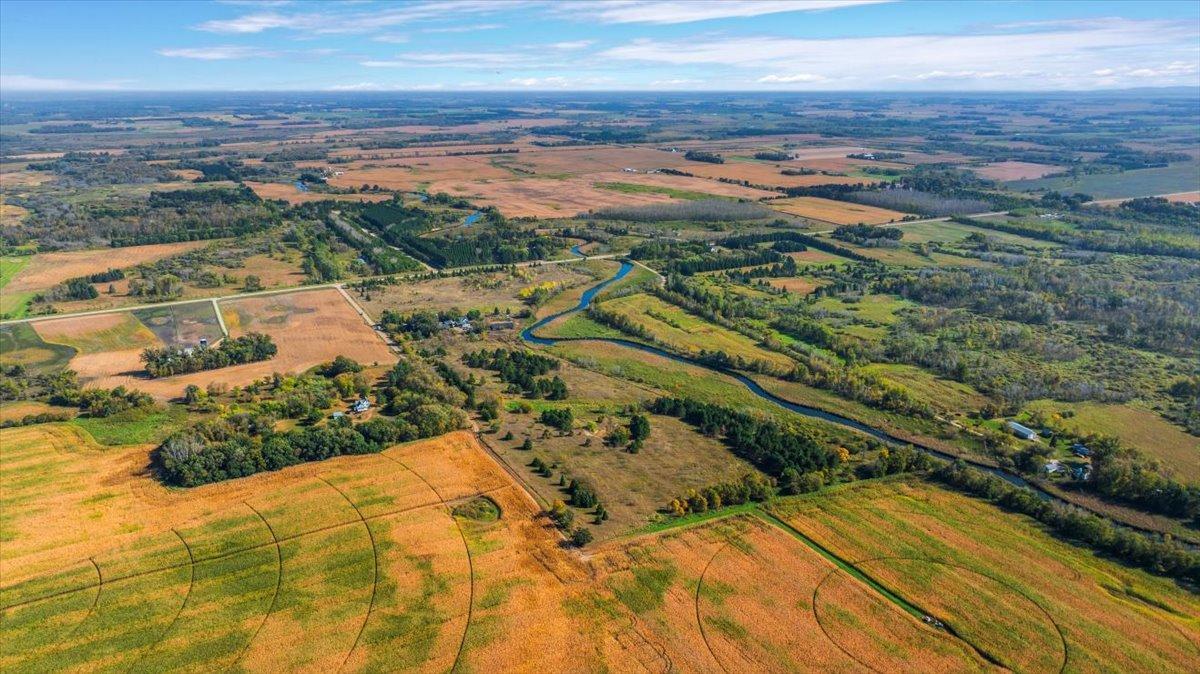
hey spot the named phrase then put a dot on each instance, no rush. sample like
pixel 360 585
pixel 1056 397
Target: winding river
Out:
pixel 530 335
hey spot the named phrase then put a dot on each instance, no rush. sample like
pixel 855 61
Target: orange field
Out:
pixel 1184 197
pixel 48 269
pixel 764 174
pixel 1015 170
pixel 309 327
pixel 835 212
pixel 797 285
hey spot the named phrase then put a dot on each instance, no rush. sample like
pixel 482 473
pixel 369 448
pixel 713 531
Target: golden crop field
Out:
pixel 835 212
pixel 1060 608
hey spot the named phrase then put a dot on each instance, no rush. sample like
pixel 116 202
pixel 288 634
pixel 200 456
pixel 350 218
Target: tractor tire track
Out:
pixel 374 582
pixel 466 548
pixel 188 595
pixel 249 548
pixel 95 600
pixel 274 595
pixel 699 622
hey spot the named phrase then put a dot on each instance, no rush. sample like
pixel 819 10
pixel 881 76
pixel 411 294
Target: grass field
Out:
pixel 20 344
pixel 1140 428
pixel 98 334
pixel 1183 177
pixel 866 318
pixel 1061 607
pixel 674 193
pixel 10 266
pixel 690 334
pixel 945 394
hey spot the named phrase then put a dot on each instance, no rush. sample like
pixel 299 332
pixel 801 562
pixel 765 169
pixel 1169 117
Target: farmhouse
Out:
pixel 1023 432
pixel 361 405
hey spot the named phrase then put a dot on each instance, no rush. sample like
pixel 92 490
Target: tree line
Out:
pixel 770 446
pixel 172 360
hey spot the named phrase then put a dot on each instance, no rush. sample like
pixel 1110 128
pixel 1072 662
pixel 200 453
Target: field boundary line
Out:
pixel 182 607
pixel 374 582
pixel 274 595
pixel 466 548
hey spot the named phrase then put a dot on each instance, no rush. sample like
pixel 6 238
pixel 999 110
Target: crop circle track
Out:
pixel 951 565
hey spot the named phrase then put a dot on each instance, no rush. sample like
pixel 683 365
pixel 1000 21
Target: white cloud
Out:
pixel 31 83
pixel 1072 55
pixel 675 82
pixel 688 11
pixel 355 22
pixel 558 82
pixel 218 53
pixel 791 79
pixel 573 45
pixel 453 60
pixel 391 38
pixel 463 29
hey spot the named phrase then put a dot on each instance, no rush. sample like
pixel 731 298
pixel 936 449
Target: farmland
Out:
pixel 835 212
pixel 396 418
pixel 309 328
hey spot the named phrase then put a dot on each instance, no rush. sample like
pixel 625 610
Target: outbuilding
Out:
pixel 1023 432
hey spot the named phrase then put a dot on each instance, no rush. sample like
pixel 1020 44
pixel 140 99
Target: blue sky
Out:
pixel 616 45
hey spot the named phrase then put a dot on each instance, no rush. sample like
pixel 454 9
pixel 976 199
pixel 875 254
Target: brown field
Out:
pixel 763 174
pixel 290 194
pixel 1184 197
pixel 11 214
pixel 480 291
pixel 15 410
pixel 1014 170
pixel 544 197
pixel 797 285
pixel 815 257
pixel 835 212
pixel 48 269
pixel 309 327
pixel 684 183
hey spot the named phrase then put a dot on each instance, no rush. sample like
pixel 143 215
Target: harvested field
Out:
pixel 952 556
pixel 835 212
pixel 1184 197
pixel 49 269
pixel 544 197
pixel 764 174
pixel 291 194
pixel 309 327
pixel 1015 170
pixel 11 214
pixel 797 285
